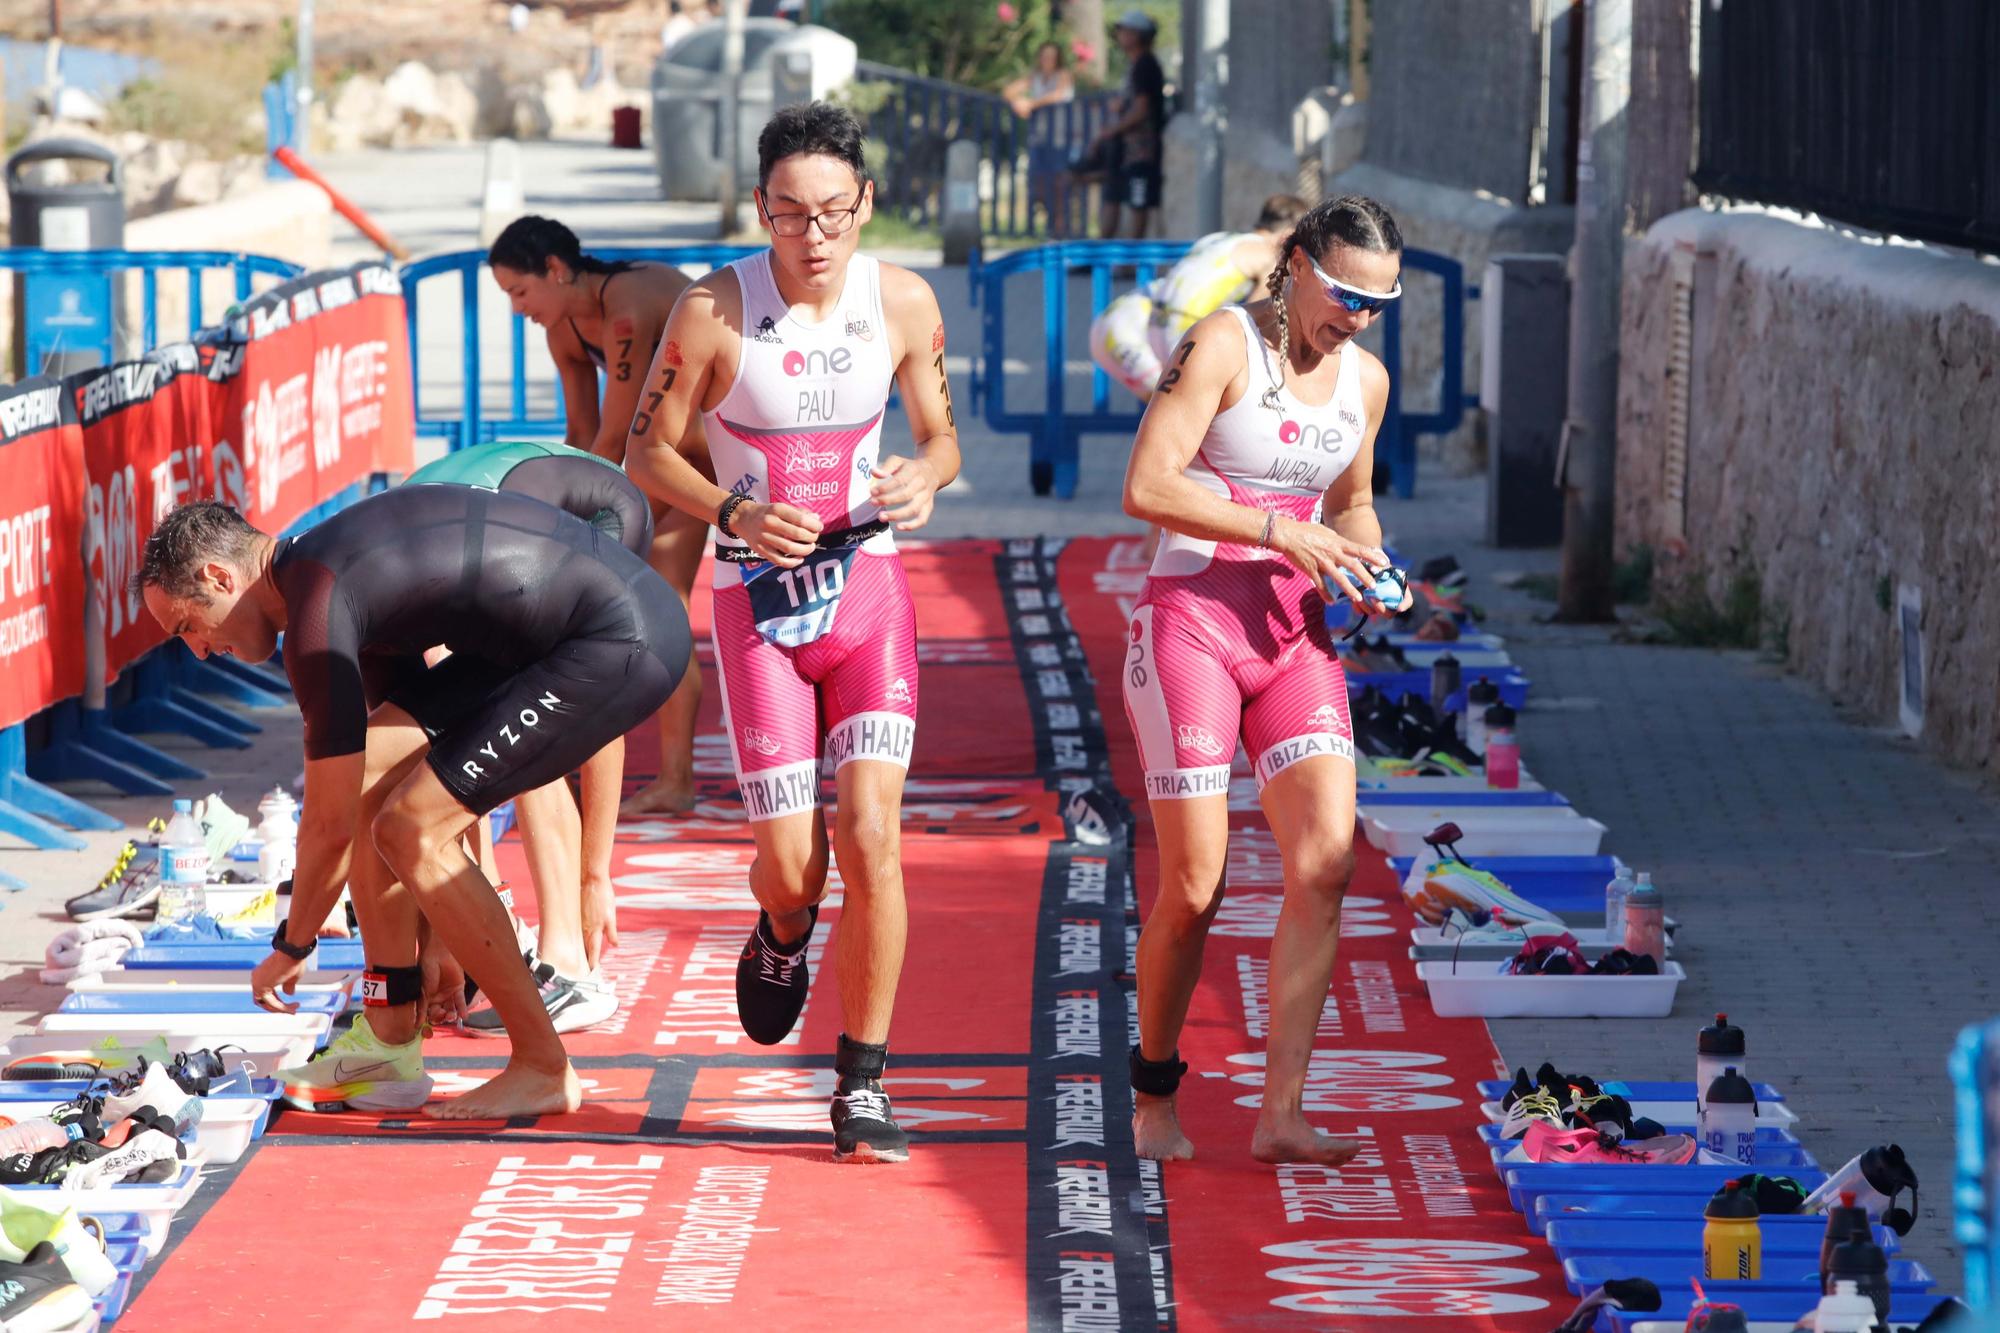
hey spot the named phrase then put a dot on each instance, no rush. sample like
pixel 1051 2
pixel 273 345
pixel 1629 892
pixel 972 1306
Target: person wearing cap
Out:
pixel 1131 141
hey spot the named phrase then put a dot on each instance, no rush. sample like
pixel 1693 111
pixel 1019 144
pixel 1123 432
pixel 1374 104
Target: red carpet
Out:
pixel 697 1189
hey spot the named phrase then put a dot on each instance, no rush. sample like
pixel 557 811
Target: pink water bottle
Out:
pixel 1646 921
pixel 1503 751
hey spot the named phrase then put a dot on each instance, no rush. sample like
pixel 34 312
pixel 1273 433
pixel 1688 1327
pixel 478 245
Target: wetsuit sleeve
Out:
pixel 323 661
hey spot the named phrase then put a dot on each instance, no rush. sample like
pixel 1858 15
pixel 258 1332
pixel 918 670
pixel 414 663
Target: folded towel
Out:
pixel 89 948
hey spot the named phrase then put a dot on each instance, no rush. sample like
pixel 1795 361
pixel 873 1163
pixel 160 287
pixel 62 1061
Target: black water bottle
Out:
pixel 1844 1221
pixel 1481 695
pixel 1859 1260
pixel 1444 684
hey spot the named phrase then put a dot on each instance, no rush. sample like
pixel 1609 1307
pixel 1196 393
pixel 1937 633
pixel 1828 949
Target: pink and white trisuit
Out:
pixel 1230 639
pixel 833 643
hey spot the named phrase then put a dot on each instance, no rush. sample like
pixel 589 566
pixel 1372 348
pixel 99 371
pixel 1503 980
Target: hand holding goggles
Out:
pixel 1353 298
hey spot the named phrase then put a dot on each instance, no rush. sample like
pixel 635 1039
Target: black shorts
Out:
pixel 1137 185
pixel 499 730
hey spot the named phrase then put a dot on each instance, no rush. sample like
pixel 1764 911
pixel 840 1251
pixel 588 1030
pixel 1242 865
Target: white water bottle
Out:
pixel 1614 905
pixel 1727 1117
pixel 279 801
pixel 183 866
pixel 279 850
pixel 1844 1310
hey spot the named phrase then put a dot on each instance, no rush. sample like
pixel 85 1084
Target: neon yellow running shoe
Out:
pixel 78 1241
pixel 358 1071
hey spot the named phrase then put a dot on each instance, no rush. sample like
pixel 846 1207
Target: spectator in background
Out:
pixel 1049 83
pixel 1127 151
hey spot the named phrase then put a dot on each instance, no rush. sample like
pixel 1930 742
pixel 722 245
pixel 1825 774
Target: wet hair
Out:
pixel 188 538
pixel 1281 210
pixel 529 243
pixel 1352 219
pixel 811 129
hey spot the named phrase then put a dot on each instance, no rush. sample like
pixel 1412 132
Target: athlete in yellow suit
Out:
pixel 1136 334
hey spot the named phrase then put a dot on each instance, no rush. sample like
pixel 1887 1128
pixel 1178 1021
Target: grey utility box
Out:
pixel 1523 389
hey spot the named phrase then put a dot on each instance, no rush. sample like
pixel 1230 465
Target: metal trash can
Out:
pixel 65 322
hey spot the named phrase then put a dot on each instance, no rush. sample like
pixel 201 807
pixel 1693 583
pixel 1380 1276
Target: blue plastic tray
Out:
pixel 172 1000
pixel 1783 1159
pixel 38 1090
pixel 1636 1090
pixel 1373 796
pixel 332 956
pixel 1798 1234
pixel 1491 1133
pixel 1525 1184
pixel 1588 1272
pixel 1513 686
pixel 1610 1206
pixel 1551 881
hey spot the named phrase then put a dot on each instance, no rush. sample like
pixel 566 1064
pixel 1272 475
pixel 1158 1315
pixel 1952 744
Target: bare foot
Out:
pixel 660 797
pixel 515 1091
pixel 1296 1141
pixel 1156 1130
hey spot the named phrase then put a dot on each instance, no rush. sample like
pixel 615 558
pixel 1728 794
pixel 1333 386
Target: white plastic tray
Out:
pixel 264 1054
pixel 209 1029
pixel 1480 991
pixel 154 1204
pixel 152 978
pixel 1432 942
pixel 227 1126
pixel 1534 830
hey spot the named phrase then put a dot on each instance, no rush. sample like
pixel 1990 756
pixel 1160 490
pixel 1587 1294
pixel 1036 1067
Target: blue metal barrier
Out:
pixel 92 744
pixel 1053 428
pixel 472 425
pixel 1025 158
pixel 246 268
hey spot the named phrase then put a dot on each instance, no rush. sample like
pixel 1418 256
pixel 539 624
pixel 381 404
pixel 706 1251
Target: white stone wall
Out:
pixel 1844 438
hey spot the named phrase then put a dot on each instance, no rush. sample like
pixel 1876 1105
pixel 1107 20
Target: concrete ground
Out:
pixel 1829 876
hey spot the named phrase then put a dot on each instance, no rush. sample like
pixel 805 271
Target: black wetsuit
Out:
pixel 562 640
pixel 595 489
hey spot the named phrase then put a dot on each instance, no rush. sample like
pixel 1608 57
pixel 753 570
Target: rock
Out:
pixel 458 108
pixel 358 116
pixel 528 114
pixel 200 183
pixel 150 174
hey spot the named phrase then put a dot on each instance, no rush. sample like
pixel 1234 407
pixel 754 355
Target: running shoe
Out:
pixel 357 1071
pixel 772 982
pixel 50 1165
pixel 37 1295
pixel 78 1240
pixel 221 828
pixel 158 1089
pixel 147 1158
pixel 596 1001
pixel 130 889
pixel 560 997
pixel 1636 1294
pixel 106 1057
pixel 864 1126
pixel 1534 1108
pixel 1454 885
pixel 1546 1142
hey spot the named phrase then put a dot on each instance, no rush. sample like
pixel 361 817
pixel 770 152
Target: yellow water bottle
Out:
pixel 1732 1246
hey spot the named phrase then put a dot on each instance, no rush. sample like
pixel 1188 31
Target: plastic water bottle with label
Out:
pixel 278 854
pixel 1727 1119
pixel 1615 893
pixel 183 866
pixel 1646 921
pixel 1503 750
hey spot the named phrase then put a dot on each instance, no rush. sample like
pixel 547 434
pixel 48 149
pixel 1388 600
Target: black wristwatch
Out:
pixel 727 510
pixel 289 949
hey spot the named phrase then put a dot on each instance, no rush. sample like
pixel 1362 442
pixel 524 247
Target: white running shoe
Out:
pixel 137 1158
pixel 158 1090
pixel 596 1001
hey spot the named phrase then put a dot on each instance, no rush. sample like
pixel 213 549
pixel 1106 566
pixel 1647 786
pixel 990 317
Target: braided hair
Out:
pixel 1352 219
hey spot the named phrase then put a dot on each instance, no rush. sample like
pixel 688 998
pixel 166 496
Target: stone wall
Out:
pixel 1842 442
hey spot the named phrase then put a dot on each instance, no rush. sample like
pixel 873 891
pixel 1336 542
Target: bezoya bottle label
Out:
pixel 186 865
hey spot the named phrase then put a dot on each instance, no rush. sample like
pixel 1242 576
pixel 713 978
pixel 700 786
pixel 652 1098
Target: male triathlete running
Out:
pixel 1134 335
pixel 603 320
pixel 789 356
pixel 1255 457
pixel 569 856
pixel 561 640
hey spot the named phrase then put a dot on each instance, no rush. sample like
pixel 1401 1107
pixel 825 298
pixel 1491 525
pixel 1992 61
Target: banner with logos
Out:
pixel 41 532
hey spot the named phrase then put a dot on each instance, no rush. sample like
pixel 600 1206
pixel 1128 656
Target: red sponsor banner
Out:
pixel 147 429
pixel 313 392
pixel 41 532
